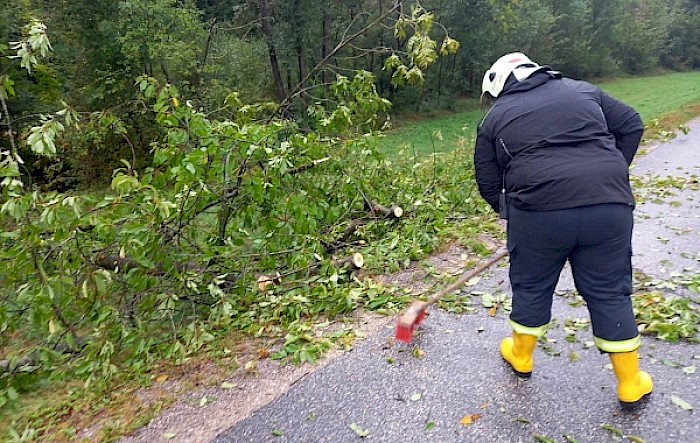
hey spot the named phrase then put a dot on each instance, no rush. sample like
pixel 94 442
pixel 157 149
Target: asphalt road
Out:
pixel 395 397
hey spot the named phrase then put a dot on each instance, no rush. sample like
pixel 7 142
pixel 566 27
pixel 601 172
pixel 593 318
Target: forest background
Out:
pixel 178 174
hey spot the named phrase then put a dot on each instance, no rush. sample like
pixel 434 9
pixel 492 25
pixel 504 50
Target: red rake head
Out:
pixel 408 322
pixel 404 333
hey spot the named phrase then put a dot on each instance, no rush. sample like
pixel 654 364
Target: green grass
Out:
pixel 653 97
pixel 439 134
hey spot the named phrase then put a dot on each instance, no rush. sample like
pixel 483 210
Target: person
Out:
pixel 552 156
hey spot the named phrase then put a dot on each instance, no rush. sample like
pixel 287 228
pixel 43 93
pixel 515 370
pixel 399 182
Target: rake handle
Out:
pixel 465 277
pixel 415 312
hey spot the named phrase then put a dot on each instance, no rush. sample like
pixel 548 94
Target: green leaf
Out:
pixel 205 400
pixel 125 183
pixel 612 429
pixel 430 425
pixel 671 363
pixel 277 432
pixel 681 403
pixel 488 300
pixel 7 86
pixel 12 393
pixel 362 433
pixel 102 278
pixel 169 435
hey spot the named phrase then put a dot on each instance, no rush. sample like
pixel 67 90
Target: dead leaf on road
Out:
pixel 469 419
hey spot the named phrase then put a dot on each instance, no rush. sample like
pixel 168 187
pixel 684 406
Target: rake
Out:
pixel 416 311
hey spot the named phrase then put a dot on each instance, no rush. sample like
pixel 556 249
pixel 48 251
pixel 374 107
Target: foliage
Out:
pixel 27 51
pixel 169 259
pixel 656 188
pixel 662 312
pixel 206 50
pixel 161 38
pixel 642 30
pixel 240 66
pixel 421 49
pixel 682 48
pixel 235 214
pixel 669 318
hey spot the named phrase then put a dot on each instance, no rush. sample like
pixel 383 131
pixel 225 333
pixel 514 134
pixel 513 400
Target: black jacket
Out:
pixel 556 143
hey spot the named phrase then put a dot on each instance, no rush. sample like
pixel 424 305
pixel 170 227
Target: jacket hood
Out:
pixel 539 77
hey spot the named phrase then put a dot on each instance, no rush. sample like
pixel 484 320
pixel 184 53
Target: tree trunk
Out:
pixel 398 5
pixel 326 45
pixel 266 18
pixel 439 81
pixel 300 44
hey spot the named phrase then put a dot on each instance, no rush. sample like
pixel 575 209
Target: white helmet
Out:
pixel 495 78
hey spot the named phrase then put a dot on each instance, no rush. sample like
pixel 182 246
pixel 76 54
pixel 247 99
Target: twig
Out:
pixel 286 103
pixel 11 134
pixel 306 166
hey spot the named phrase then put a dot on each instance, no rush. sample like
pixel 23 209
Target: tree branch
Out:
pixel 306 166
pixel 394 211
pixel 33 358
pixel 286 103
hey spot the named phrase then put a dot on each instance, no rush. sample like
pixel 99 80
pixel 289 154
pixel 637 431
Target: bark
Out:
pixel 326 44
pixel 225 210
pixel 11 137
pixel 439 81
pixel 355 262
pixel 345 41
pixel 112 262
pixel 348 232
pixel 265 281
pixel 266 17
pixel 350 229
pixel 197 77
pixel 33 358
pixel 394 211
pixel 301 62
pixel 306 166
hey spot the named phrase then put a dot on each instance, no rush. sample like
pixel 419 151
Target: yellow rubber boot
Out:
pixel 517 351
pixel 632 384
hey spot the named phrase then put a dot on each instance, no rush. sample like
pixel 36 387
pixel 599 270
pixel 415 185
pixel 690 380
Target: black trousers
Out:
pixel 597 242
